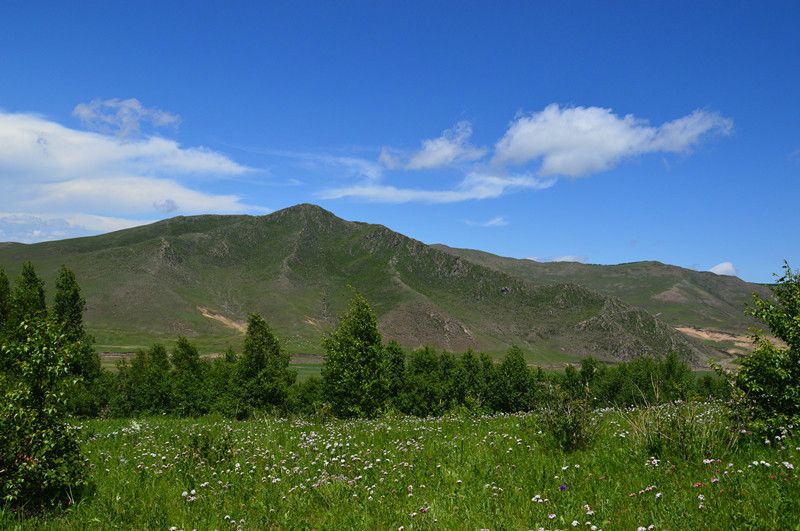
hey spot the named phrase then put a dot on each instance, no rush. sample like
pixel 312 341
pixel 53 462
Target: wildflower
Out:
pixel 562 487
pixel 551 516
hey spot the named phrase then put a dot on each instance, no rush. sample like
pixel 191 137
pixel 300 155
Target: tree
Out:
pixel 263 372
pixel 27 298
pixel 145 385
pixel 353 376
pixel 513 385
pixel 40 461
pixel 5 301
pixel 423 393
pixel 86 398
pixel 395 370
pixel 769 377
pixel 69 304
pixel 191 393
pixel 475 377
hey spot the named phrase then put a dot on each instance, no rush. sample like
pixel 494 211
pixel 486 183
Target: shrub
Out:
pixel 568 422
pixel 769 377
pixel 40 461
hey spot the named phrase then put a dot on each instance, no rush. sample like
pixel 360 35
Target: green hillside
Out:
pixel 681 297
pixel 200 276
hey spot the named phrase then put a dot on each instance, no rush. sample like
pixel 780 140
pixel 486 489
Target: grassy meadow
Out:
pixel 676 466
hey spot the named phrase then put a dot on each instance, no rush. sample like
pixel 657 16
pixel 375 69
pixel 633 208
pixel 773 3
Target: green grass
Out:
pixel 442 473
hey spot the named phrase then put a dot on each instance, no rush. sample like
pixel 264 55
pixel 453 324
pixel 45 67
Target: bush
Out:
pixel 40 461
pixel 769 377
pixel 568 422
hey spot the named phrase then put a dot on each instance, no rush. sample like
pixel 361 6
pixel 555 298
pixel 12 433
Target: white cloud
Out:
pixel 578 141
pixel 122 118
pixel 562 258
pixel 473 186
pixel 348 166
pixel 85 180
pixel 724 268
pixel 44 150
pixel 29 228
pixel 497 221
pixel 568 258
pixel 130 195
pixel 451 147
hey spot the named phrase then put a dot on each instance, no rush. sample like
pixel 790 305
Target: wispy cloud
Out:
pixel 345 165
pixel 563 258
pixel 451 147
pixel 123 118
pixel 473 186
pixel 497 221
pixel 552 143
pixel 724 268
pixel 579 141
pixel 30 228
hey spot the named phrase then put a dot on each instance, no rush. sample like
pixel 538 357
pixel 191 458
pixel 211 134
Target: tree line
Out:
pixel 361 377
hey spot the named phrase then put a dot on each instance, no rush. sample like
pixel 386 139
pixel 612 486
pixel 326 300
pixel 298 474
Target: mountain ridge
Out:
pixel 295 266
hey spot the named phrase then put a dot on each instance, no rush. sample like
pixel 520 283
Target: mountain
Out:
pixel 200 276
pixel 700 304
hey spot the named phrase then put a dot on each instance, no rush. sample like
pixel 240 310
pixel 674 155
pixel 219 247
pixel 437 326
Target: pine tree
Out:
pixel 263 372
pixel 354 374
pixel 68 307
pixel 5 301
pixel 69 304
pixel 27 297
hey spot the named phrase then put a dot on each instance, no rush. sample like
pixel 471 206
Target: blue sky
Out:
pixel 599 132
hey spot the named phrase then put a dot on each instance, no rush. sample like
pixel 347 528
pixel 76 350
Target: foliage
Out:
pixel 395 371
pixel 354 375
pixel 769 377
pixel 422 395
pixel 144 385
pixel 40 461
pixel 305 398
pixel 27 297
pixel 69 304
pixel 568 422
pixel 263 372
pixel 191 395
pixel 513 388
pixel 88 395
pixel 5 302
pixel 643 381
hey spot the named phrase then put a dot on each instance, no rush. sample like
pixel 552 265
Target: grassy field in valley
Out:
pixel 459 472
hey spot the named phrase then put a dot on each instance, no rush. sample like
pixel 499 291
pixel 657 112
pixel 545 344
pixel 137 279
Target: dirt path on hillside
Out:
pixel 742 344
pixel 230 323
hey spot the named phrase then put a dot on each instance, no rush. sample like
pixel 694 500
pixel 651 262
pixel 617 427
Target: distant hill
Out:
pixel 200 276
pixel 701 304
